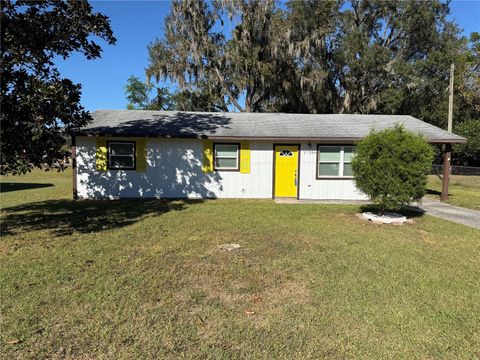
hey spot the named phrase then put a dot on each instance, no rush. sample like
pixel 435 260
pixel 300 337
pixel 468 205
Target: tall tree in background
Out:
pixel 375 56
pixel 250 64
pixel 196 54
pixel 378 43
pixel 190 54
pixel 370 56
pixel 39 107
pixel 142 96
pixel 304 56
pixel 139 96
pixel 426 94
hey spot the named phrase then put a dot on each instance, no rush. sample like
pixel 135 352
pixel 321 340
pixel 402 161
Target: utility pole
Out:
pixel 447 153
pixel 450 99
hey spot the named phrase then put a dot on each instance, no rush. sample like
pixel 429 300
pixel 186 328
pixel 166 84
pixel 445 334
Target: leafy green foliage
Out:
pixel 469 153
pixel 379 44
pixel 142 96
pixel 391 166
pixel 39 107
pixel 139 96
pixel 197 100
pixel 197 55
pixel 321 56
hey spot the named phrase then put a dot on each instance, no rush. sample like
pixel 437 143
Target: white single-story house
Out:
pixel 164 154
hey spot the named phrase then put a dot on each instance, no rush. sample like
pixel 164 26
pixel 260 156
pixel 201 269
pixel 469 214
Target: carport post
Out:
pixel 447 156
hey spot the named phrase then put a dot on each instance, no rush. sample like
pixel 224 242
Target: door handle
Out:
pixel 295 180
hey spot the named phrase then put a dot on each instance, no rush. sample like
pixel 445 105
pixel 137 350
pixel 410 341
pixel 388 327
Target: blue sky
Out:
pixel 136 24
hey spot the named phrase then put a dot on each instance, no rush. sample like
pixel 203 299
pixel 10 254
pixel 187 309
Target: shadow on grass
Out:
pixel 436 192
pixel 64 217
pixel 16 186
pixel 433 192
pixel 408 211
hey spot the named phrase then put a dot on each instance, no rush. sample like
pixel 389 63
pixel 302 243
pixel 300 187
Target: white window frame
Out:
pixel 340 163
pixel 236 157
pixel 134 162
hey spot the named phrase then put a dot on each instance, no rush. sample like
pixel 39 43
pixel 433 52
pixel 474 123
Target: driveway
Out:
pixel 453 213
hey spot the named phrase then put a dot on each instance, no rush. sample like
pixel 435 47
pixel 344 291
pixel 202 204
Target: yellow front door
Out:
pixel 286 170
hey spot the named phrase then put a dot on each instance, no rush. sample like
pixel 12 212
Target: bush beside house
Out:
pixel 391 166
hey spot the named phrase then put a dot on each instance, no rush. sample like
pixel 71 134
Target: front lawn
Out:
pixel 463 190
pixel 145 279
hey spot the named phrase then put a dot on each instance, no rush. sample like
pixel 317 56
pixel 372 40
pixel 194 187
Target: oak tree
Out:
pixel 39 107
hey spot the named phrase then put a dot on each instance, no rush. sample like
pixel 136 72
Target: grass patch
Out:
pixel 144 279
pixel 463 190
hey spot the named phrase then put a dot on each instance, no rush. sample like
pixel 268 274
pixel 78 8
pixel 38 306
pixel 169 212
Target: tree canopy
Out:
pixel 375 56
pixel 139 96
pixel 39 107
pixel 143 96
pixel 469 153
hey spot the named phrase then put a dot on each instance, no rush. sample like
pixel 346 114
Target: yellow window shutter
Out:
pixel 245 157
pixel 207 156
pixel 101 154
pixel 141 156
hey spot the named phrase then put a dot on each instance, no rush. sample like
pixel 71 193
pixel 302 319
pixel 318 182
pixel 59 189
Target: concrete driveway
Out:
pixel 449 212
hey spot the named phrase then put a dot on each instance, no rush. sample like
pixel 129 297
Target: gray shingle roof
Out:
pixel 273 126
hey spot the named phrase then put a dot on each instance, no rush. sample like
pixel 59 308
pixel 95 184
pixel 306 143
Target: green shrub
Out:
pixel 469 153
pixel 391 166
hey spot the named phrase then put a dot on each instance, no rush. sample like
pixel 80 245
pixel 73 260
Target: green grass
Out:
pixel 144 279
pixel 463 191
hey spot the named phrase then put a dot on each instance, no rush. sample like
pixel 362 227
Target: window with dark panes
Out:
pixel 121 155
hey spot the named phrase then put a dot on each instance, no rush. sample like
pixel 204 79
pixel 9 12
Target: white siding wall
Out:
pixel 311 188
pixel 174 171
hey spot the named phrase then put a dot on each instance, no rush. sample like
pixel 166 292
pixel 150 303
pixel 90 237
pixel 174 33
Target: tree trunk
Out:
pixel 248 100
pixel 227 91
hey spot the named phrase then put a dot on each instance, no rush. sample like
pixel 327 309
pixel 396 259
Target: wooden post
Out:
pixel 447 155
pixel 450 99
